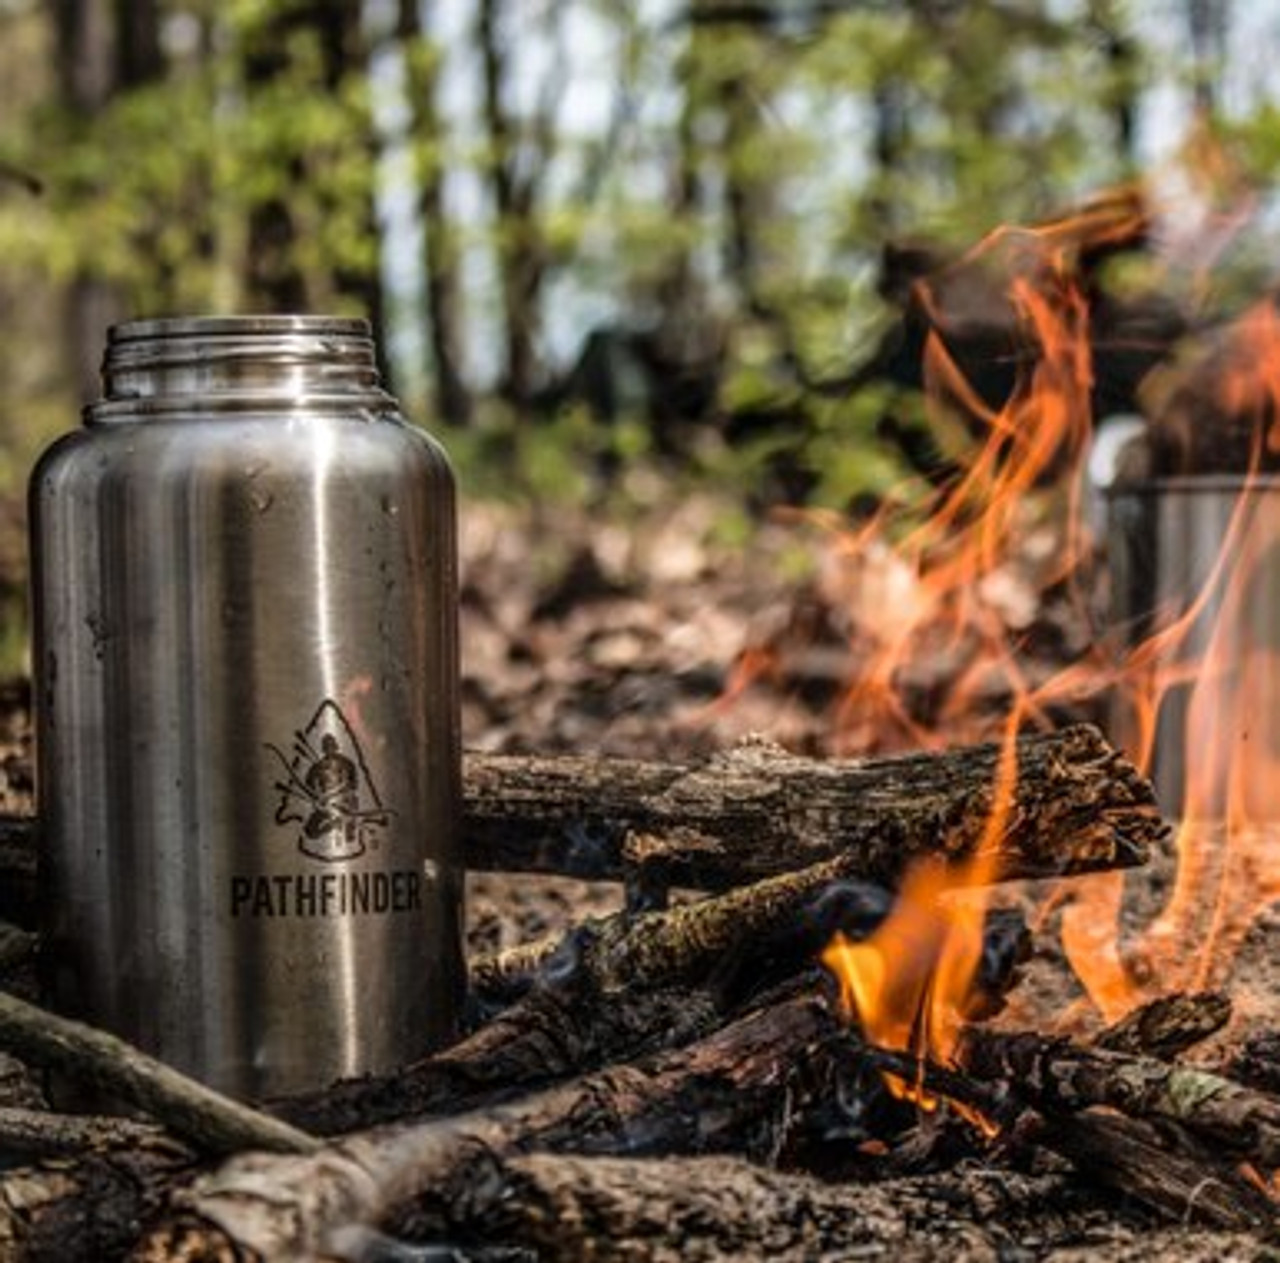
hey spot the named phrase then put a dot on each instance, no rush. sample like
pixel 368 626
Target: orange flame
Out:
pixel 910 984
pixel 1216 665
pixel 934 607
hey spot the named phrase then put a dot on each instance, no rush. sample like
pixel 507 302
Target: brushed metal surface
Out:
pixel 247 715
pixel 1207 549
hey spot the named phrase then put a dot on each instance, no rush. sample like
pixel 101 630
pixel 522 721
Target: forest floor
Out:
pixel 581 635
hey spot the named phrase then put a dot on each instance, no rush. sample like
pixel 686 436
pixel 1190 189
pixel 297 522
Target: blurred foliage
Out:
pixel 707 186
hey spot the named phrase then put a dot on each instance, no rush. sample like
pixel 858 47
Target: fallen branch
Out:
pixel 734 1089
pixel 107 1065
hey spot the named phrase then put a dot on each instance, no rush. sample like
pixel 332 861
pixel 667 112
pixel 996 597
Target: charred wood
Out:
pixel 1167 1026
pixel 734 1090
pixel 1058 1077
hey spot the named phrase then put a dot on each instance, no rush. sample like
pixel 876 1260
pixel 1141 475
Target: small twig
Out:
pixel 102 1062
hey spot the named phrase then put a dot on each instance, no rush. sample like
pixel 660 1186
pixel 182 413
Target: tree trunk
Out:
pixel 517 166
pixel 87 77
pixel 440 265
pixel 275 279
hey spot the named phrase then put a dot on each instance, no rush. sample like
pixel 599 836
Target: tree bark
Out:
pixel 756 811
pixel 571 1208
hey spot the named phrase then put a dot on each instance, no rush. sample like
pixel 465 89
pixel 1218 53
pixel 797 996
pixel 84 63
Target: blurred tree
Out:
pixel 519 152
pixel 310 57
pixel 695 219
pixel 103 48
pixel 442 285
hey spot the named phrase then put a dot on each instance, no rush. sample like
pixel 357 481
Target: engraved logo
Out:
pixel 326 789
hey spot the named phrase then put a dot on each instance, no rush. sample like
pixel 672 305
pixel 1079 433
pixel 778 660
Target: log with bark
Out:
pixel 569 1208
pixel 756 811
pixel 1171 1170
pixel 1060 1077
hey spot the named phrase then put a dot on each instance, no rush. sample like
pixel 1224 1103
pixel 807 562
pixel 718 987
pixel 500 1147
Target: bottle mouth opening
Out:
pixel 235 363
pixel 170 327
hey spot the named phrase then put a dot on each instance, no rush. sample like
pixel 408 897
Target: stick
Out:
pixel 731 1089
pixel 106 1064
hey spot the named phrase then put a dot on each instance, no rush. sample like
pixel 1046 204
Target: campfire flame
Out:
pixel 910 984
pixel 937 588
pixel 1216 655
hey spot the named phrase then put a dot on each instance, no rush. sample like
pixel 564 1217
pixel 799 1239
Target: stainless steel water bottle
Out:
pixel 247 707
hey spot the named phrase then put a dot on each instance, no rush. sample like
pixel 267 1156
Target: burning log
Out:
pixel 756 811
pixel 733 1090
pixel 1170 1171
pixel 1059 1077
pixel 623 984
